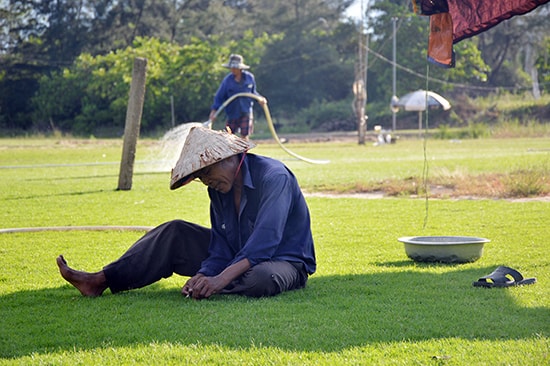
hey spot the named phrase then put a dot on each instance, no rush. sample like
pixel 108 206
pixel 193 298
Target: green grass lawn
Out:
pixel 367 304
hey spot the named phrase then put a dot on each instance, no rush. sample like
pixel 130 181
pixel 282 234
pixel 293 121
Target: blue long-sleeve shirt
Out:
pixel 273 224
pixel 230 87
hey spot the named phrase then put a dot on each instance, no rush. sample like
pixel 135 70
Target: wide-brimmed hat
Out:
pixel 236 62
pixel 204 147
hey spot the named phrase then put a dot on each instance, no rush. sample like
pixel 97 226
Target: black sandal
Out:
pixel 503 277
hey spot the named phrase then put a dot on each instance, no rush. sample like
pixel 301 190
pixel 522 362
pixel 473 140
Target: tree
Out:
pixel 302 52
pixel 38 37
pixel 511 50
pixel 297 70
pixel 91 95
pixel 305 62
pixel 543 64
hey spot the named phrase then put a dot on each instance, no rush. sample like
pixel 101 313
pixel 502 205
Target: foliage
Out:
pixel 511 48
pixel 302 52
pixel 527 182
pixel 306 65
pixel 470 67
pixel 327 116
pixel 543 62
pixel 95 89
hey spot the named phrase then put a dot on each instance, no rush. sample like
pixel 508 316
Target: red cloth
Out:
pixel 466 18
pixel 471 17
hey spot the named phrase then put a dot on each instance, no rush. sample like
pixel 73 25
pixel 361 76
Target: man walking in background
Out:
pixel 239 112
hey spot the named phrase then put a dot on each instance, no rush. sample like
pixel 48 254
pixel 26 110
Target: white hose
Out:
pixel 269 123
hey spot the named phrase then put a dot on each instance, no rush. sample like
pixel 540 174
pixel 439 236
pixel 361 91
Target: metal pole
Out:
pixel 359 87
pixel 365 75
pixel 394 87
pixel 172 111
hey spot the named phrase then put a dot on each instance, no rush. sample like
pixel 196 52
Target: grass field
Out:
pixel 368 304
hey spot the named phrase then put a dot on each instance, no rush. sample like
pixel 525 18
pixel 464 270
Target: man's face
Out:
pixel 219 176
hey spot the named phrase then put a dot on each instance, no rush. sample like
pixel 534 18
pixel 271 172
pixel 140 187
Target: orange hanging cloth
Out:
pixel 440 42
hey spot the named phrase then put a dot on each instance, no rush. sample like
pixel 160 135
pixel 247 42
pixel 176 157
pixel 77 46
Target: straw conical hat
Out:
pixel 204 147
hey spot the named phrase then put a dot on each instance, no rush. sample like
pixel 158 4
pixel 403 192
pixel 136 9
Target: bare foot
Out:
pixel 89 284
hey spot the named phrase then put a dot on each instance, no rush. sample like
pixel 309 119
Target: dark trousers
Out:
pixel 243 125
pixel 180 247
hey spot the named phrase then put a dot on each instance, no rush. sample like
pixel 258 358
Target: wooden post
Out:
pixel 133 122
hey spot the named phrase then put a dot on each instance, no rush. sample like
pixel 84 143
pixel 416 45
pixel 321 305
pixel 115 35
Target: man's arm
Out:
pixel 201 286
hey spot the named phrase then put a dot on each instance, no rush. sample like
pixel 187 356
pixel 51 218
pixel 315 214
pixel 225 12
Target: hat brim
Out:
pixel 239 66
pixel 204 147
pixel 182 182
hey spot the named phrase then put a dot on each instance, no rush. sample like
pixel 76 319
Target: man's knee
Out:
pixel 270 279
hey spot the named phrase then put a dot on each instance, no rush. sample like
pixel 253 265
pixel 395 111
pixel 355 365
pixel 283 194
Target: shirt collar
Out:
pixel 247 177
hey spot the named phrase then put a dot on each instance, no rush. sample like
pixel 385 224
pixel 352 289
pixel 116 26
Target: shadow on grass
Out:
pixel 69 194
pixel 333 313
pixel 102 176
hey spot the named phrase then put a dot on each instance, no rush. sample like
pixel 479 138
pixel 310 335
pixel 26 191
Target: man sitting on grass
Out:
pixel 259 243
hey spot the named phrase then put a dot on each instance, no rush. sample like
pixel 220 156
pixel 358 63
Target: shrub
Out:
pixel 328 116
pixel 526 182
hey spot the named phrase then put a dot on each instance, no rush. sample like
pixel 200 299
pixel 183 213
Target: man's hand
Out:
pixel 187 289
pixel 212 116
pixel 202 287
